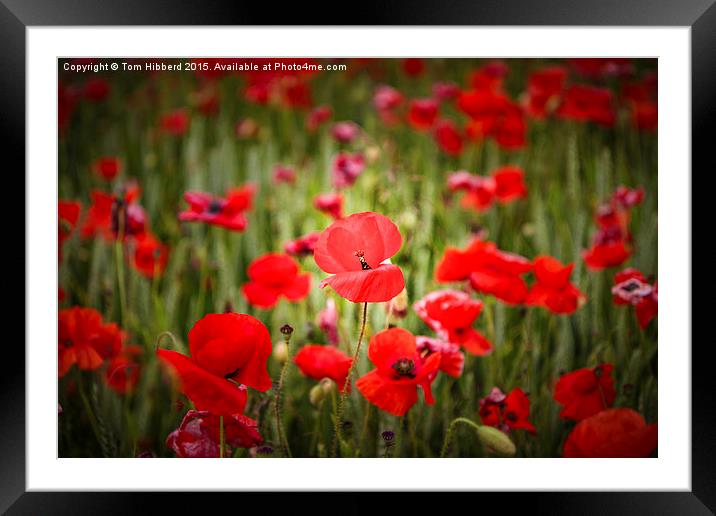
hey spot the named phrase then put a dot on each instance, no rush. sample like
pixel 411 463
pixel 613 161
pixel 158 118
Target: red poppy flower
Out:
pixel 452 360
pixel 617 432
pixel 494 115
pixel 422 113
pixel 206 100
pixel 68 213
pixel 198 436
pixel 302 246
pixel 450 314
pixel 96 89
pixel 272 276
pixel 355 250
pixel 553 289
pixel 480 189
pixel 631 287
pixel 443 91
pixel 625 197
pixel 605 255
pixel 328 322
pixel 645 115
pixel 109 213
pixel 413 66
pixel 224 212
pixel 489 76
pixel 122 371
pixel 320 362
pixel 400 369
pixel 330 204
pixel 346 169
pixel 84 339
pixel 107 167
pixel 506 412
pixel 584 392
pixel 588 104
pixel 448 137
pixel 509 183
pixel 175 123
pixel 284 174
pixel 317 116
pixel 150 256
pixel 226 349
pixel 387 101
pixel 544 88
pixel 489 270
pixel 345 132
pixel 599 67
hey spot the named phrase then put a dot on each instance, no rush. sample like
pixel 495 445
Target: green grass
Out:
pixel 570 168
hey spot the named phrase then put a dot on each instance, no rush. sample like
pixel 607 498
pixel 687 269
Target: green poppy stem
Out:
pixel 451 429
pixel 342 401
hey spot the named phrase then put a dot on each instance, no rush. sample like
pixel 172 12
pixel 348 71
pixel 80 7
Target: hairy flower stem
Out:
pixel 282 441
pixel 451 429
pixel 342 401
pixel 221 437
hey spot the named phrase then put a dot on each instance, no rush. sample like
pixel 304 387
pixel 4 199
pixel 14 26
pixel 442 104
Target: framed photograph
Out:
pixel 326 258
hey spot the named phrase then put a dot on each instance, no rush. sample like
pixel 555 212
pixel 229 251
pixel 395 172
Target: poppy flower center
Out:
pixel 231 374
pixel 404 367
pixel 215 207
pixel 361 257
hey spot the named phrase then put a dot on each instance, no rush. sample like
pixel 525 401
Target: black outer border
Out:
pixel 16 15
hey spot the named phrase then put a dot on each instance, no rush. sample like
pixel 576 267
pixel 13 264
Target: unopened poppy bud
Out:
pixel 280 352
pixel 327 386
pixel 316 394
pixel 496 441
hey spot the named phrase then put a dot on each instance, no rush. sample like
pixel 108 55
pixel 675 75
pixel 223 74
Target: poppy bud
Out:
pixel 316 395
pixel 280 352
pixel 287 330
pixel 496 441
pixel 327 386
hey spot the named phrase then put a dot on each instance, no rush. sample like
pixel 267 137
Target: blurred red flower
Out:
pixel 413 66
pixel 122 371
pixel 448 137
pixel 509 183
pixel 553 289
pixel 584 392
pixel 302 246
pixel 584 103
pixel 489 270
pixel 272 276
pixel 68 213
pixel 422 113
pixel 493 114
pixel 400 369
pixel 489 76
pixel 198 435
pixel 631 287
pixel 345 132
pixel 544 90
pixel 506 412
pixel 85 339
pixel 505 184
pixel 387 101
pixel 346 169
pixel 284 174
pixel 150 256
pixel 600 67
pixel 320 362
pixel 355 250
pixel 317 117
pixel 450 314
pixel 226 350
pixel 330 204
pixel 617 432
pixel 111 214
pixel 328 322
pixel 452 360
pixel 107 167
pixel 223 212
pixel 444 91
pixel 96 89
pixel 175 123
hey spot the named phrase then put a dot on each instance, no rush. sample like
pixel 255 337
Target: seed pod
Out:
pixel 280 352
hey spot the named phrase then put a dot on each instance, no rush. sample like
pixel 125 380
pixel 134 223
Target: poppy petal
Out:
pixel 391 397
pixel 368 286
pixel 260 296
pixel 208 392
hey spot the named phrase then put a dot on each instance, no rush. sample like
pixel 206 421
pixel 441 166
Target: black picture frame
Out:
pixel 17 15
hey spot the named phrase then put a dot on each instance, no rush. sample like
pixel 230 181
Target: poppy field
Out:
pixel 325 258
